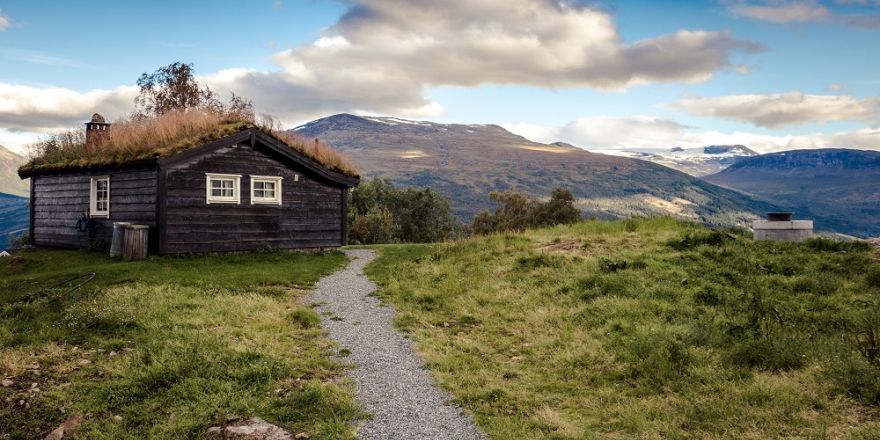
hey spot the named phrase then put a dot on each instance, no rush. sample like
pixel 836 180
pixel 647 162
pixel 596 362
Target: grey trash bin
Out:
pixel 118 237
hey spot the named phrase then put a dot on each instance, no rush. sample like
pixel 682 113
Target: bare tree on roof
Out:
pixel 174 88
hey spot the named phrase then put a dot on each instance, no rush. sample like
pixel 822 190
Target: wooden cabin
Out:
pixel 245 191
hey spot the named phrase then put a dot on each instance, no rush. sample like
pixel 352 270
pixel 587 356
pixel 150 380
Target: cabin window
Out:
pixel 266 190
pixel 222 188
pixel 99 197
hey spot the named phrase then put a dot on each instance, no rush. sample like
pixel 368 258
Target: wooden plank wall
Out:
pixel 309 216
pixel 60 200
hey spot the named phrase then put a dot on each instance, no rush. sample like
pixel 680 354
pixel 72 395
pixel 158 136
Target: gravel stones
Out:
pixel 392 382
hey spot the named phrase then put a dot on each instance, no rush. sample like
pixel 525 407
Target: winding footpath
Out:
pixel 392 382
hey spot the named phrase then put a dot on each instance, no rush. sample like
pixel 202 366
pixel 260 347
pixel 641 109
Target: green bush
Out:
pixel 379 212
pixel 375 226
pixel 516 212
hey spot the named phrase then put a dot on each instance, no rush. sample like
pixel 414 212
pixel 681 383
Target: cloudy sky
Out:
pixel 645 74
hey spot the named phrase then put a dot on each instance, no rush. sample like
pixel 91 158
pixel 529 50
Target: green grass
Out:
pixel 646 329
pixel 166 347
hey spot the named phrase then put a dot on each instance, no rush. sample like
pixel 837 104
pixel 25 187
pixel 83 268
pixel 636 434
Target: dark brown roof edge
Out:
pixel 272 143
pixel 137 163
pixel 307 162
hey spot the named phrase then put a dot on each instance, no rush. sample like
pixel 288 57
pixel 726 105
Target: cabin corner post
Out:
pixel 32 213
pixel 344 215
pixel 161 209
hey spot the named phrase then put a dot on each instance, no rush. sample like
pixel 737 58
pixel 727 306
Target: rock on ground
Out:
pixel 65 429
pixel 253 428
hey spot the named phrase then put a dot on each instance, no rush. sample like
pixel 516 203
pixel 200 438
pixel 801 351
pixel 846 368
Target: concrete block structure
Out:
pixel 780 226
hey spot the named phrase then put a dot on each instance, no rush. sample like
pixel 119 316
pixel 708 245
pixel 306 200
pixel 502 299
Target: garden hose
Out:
pixel 86 278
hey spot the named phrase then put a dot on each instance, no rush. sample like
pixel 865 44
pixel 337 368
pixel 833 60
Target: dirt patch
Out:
pixel 561 246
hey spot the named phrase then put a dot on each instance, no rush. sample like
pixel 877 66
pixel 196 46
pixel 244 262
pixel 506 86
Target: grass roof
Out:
pixel 135 140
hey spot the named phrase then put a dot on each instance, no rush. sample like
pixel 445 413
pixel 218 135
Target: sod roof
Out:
pixel 147 140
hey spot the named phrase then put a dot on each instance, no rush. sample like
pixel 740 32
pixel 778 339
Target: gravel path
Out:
pixel 392 383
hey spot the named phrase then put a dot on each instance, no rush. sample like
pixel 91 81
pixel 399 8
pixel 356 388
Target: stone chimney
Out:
pixel 96 130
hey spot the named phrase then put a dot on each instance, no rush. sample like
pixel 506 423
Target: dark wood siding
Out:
pixel 59 201
pixel 310 215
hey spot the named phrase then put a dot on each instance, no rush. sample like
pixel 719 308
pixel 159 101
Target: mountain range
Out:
pixel 699 161
pixel 838 188
pixel 10 183
pixel 467 161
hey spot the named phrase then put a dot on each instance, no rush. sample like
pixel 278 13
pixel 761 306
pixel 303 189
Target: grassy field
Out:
pixel 166 347
pixel 646 329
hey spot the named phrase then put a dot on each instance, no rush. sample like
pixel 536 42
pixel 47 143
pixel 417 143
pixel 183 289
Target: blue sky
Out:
pixel 771 74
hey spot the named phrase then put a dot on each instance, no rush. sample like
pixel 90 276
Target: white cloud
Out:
pixel 774 110
pixel 776 11
pixel 411 45
pixel 803 11
pixel 17 141
pixel 650 133
pixel 744 69
pixel 47 109
pixel 382 56
pixel 836 87
pixel 4 21
pixel 35 57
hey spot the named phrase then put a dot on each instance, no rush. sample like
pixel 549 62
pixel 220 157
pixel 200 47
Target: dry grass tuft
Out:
pixel 317 151
pixel 132 140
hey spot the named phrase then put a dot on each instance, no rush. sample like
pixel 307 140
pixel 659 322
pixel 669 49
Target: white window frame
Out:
pixel 266 200
pixel 236 188
pixel 93 197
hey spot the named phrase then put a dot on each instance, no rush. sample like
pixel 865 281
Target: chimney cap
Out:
pixel 97 119
pixel 782 216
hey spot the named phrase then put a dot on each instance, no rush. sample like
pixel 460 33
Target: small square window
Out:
pixel 222 188
pixel 266 190
pixel 99 197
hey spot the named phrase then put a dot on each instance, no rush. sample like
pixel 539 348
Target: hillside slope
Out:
pixel 10 183
pixel 466 162
pixel 644 329
pixel 13 216
pixel 840 187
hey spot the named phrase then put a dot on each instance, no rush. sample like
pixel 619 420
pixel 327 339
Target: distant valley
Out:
pixel 840 188
pixel 466 162
pixel 13 193
pixel 13 217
